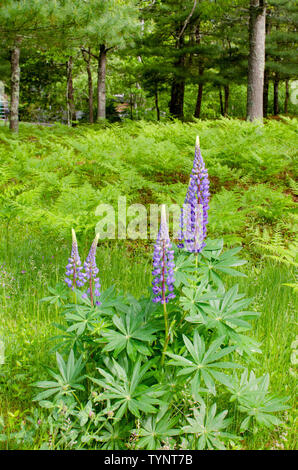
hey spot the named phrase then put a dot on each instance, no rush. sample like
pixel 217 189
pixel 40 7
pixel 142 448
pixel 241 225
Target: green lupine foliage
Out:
pixel 207 428
pixel 126 371
pixel 66 381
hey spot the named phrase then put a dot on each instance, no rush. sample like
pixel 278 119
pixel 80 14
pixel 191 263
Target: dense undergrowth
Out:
pixel 52 179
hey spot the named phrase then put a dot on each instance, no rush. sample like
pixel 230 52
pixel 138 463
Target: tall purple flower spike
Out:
pixel 74 276
pixel 91 271
pixel 194 213
pixel 163 264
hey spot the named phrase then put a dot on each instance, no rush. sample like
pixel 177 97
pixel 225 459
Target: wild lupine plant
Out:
pixel 129 380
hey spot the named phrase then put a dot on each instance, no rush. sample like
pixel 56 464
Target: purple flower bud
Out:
pixel 163 264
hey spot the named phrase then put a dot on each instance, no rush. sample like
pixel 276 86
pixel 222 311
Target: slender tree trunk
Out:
pixel 265 93
pixel 287 95
pixel 101 83
pixel 15 89
pixel 87 59
pixel 227 95
pixel 197 112
pixel 266 72
pixel 71 112
pixel 275 96
pixel 256 60
pixel 221 102
pixel 157 105
pixel 90 94
pixel 131 105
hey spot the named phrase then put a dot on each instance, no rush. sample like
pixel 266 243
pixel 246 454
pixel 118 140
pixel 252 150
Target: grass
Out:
pixel 36 253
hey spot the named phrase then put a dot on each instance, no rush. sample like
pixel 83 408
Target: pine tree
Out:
pixel 111 25
pixel 27 24
pixel 18 21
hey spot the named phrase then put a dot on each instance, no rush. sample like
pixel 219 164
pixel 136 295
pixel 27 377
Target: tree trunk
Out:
pixel 101 83
pixel 256 60
pixel 227 94
pixel 157 105
pixel 199 101
pixel 197 112
pixel 71 112
pixel 178 86
pixel 221 102
pixel 177 98
pixel 265 93
pixel 266 72
pixel 87 59
pixel 275 96
pixel 131 105
pixel 15 89
pixel 287 95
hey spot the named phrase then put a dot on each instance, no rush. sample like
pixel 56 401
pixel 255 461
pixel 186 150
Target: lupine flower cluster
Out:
pixel 194 214
pixel 91 271
pixel 78 275
pixel 193 228
pixel 74 275
pixel 163 264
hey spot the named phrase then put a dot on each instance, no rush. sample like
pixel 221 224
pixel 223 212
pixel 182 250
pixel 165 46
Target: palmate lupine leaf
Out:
pixel 66 381
pixel 253 398
pixel 238 386
pixel 255 401
pixel 226 314
pixel 194 298
pixel 212 262
pixel 59 295
pixel 156 429
pixel 184 270
pixel 127 391
pixel 67 340
pixel 113 435
pixel 110 301
pixel 207 428
pixel 84 319
pixel 131 334
pixel 203 365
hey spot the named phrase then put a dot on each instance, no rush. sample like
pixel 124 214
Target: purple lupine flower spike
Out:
pixel 91 271
pixel 163 264
pixel 74 276
pixel 194 214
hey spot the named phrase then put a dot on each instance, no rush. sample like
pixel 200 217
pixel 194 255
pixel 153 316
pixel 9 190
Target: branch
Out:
pixel 187 19
pixel 89 52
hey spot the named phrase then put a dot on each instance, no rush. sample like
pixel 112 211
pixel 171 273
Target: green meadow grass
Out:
pixel 52 179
